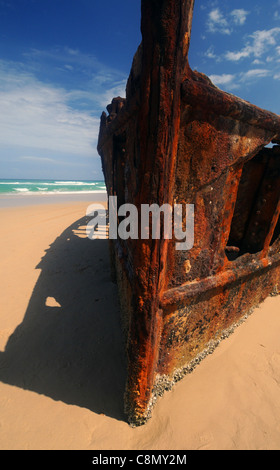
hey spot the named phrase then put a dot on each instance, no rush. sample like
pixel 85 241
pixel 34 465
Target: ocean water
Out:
pixel 29 187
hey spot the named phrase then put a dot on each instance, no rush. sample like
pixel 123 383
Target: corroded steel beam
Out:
pixel 176 137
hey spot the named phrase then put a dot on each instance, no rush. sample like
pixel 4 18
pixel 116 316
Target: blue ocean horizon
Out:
pixel 41 186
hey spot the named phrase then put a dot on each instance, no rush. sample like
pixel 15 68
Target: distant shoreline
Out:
pixel 21 200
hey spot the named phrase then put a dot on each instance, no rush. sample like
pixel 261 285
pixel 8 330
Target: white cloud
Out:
pixel 36 115
pixel 210 54
pixel 257 62
pixel 239 16
pixel 224 79
pixel 232 82
pixel 217 22
pixel 260 43
pixel 71 66
pixel 277 13
pixel 263 39
pixel 39 159
pixel 236 56
pixel 254 73
pixel 53 161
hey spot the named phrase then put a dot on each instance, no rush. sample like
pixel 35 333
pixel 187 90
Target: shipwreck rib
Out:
pixel 178 138
pixel 203 93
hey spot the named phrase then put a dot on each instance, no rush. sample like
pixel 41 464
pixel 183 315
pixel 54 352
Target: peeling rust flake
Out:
pixel 178 138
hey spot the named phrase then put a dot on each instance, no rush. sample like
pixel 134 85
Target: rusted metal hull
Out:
pixel 176 137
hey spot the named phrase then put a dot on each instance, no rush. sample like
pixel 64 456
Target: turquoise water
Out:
pixel 50 187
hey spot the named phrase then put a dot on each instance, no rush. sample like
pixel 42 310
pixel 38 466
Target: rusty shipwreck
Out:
pixel 177 137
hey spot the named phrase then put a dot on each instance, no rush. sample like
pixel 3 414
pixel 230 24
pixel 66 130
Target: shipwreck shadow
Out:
pixel 69 345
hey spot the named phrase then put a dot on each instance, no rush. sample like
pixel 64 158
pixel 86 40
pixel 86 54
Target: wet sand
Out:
pixel 15 200
pixel 62 362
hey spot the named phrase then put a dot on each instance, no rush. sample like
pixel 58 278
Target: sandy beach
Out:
pixel 62 361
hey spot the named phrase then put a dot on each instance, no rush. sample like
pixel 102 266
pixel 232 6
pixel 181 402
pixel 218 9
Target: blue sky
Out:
pixel 62 61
